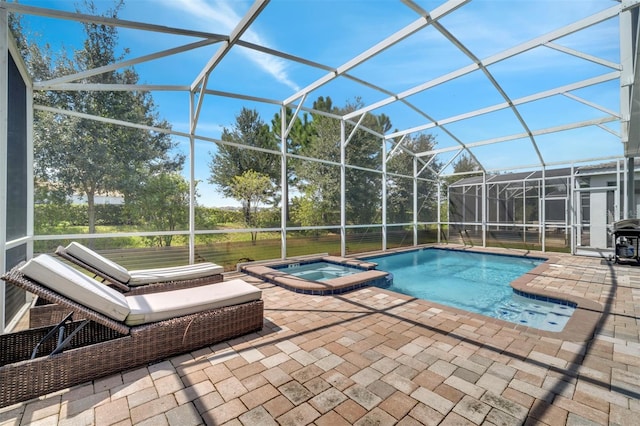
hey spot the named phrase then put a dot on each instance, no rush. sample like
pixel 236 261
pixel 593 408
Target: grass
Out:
pixel 229 248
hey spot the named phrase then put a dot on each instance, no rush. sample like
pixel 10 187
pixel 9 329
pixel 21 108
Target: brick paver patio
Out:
pixel 375 357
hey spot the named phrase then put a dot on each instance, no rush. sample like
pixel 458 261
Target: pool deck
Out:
pixel 371 356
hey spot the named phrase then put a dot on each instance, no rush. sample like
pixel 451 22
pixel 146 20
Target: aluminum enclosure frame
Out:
pixel 198 91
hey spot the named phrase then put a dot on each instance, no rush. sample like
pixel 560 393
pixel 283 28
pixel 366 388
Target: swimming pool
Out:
pixel 475 282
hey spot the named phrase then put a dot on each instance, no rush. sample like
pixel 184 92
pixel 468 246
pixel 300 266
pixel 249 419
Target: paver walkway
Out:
pixel 375 357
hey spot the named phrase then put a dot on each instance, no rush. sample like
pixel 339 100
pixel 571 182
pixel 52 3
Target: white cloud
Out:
pixel 219 16
pixel 493 26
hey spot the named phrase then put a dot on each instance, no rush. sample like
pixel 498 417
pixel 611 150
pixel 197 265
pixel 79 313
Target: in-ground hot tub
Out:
pixel 319 275
pixel 318 271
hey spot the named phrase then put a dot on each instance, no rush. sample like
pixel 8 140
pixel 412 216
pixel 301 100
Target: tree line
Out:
pixel 254 177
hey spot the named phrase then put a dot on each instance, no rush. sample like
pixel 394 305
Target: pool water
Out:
pixel 475 282
pixel 318 271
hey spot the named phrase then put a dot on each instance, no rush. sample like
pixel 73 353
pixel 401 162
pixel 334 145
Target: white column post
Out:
pixel 625 210
pixel 628 60
pixel 343 188
pixel 616 208
pixel 438 213
pixel 192 182
pixel 284 182
pixel 484 209
pixel 384 195
pixel 572 209
pixel 543 209
pixel 4 109
pixel 524 211
pixel 415 201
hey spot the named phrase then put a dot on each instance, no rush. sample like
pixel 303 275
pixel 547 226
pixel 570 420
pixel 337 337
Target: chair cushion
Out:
pixel 98 261
pixel 175 273
pixel 78 287
pixel 146 308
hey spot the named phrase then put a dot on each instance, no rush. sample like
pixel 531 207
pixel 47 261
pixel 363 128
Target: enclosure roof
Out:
pixel 608 167
pixel 516 85
pixel 516 177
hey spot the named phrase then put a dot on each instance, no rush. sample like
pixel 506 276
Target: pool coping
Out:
pixel 264 270
pixel 583 322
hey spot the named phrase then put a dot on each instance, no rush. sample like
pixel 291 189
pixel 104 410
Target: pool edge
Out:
pixel 583 322
pixel 334 286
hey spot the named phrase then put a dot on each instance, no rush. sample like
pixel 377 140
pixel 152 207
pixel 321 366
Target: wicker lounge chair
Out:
pixel 119 332
pixel 142 280
pixel 145 281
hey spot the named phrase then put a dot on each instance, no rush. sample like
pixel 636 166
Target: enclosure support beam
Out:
pixel 616 208
pixel 380 47
pixel 51 84
pixel 192 185
pixel 630 124
pixel 625 178
pixel 30 172
pixel 631 190
pixel 629 97
pixel 543 207
pixel 579 215
pixel 284 181
pixel 484 209
pixel 192 201
pixel 384 193
pixel 343 189
pixel 561 90
pixel 439 210
pixel 572 209
pixel 477 201
pixel 415 201
pixel 497 206
pixel 242 26
pixel 524 209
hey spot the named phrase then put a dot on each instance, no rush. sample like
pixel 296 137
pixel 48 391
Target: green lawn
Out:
pixel 226 249
pixel 230 248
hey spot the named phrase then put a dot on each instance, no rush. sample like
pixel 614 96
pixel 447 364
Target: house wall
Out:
pixel 16 216
pixel 602 208
pixel 598 213
pixel 4 100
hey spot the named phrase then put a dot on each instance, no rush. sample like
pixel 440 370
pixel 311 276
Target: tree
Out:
pixel 466 164
pixel 235 159
pixel 161 204
pixel 87 157
pixel 305 211
pixel 251 188
pixel 298 137
pixel 300 134
pixel 321 181
pixel 400 190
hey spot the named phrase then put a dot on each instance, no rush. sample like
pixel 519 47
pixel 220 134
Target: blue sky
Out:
pixel 331 32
